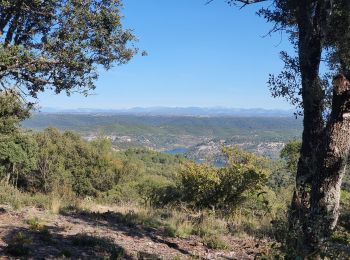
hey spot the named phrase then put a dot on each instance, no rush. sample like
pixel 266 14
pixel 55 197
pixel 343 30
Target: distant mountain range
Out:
pixel 175 111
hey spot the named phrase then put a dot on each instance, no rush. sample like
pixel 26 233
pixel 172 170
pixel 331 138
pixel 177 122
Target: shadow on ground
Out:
pixel 130 224
pixel 48 243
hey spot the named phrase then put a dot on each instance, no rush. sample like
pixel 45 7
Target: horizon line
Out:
pixel 166 107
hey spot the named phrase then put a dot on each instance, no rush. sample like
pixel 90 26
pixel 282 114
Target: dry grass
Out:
pixel 56 205
pixel 173 222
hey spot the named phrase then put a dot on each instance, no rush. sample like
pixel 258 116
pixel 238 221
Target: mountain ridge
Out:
pixel 173 111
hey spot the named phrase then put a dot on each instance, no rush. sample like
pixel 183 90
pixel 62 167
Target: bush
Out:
pixel 157 191
pixel 67 159
pixel 214 242
pixel 9 195
pixel 178 225
pixel 35 224
pixel 226 188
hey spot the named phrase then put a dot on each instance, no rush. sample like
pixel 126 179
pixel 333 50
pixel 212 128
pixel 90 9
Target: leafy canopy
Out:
pixel 12 111
pixel 17 150
pixel 291 153
pixel 67 159
pixel 60 44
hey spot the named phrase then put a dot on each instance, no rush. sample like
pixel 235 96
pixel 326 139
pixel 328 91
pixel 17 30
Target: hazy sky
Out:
pixel 199 55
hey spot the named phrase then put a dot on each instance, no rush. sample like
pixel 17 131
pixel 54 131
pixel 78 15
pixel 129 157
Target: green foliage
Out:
pixel 211 230
pixel 162 130
pixel 330 41
pixel 17 150
pixel 147 162
pixel 65 158
pixel 59 44
pixel 342 232
pixel 35 224
pixel 342 237
pixel 200 184
pixel 12 111
pixel 179 228
pixel 10 195
pixel 284 171
pixel 147 177
pixel 148 188
pixel 214 242
pixel 225 188
pixel 291 153
pixel 165 194
pixel 280 178
pixel 18 157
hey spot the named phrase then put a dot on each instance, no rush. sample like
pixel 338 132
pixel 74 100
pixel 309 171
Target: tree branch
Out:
pixel 244 2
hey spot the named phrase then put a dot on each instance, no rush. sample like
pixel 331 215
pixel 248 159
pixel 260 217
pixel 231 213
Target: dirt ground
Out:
pixel 101 235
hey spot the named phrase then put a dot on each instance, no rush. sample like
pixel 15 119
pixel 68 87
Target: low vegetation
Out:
pixel 146 191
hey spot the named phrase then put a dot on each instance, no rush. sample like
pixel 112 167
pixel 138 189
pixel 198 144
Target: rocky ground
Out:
pixel 31 233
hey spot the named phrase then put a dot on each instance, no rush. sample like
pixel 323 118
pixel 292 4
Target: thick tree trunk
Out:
pixel 325 195
pixel 309 58
pixel 324 153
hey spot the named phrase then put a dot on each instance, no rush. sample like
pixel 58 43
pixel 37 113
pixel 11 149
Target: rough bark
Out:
pixel 309 58
pixel 325 195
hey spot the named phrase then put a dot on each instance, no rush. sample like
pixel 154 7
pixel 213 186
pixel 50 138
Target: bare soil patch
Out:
pixel 103 234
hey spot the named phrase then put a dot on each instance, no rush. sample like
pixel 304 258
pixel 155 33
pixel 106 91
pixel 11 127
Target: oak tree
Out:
pixel 320 32
pixel 17 150
pixel 60 44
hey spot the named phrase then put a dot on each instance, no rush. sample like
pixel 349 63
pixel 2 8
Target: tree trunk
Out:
pixel 8 177
pixel 325 195
pixel 313 96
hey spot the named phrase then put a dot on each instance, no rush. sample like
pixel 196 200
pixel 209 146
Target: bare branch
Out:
pixel 244 2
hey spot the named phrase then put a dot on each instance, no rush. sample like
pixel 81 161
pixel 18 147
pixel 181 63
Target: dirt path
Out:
pixel 88 235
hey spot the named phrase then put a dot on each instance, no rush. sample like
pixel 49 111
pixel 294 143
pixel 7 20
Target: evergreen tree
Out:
pixel 59 44
pixel 319 30
pixel 17 150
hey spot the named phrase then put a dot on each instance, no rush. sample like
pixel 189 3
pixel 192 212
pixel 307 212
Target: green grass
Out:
pixel 17 199
pixel 214 242
pixel 35 224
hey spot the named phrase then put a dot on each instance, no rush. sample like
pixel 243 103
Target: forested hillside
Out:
pixel 281 127
pixel 264 135
pixel 57 176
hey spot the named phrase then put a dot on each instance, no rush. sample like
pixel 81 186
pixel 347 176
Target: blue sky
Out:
pixel 199 55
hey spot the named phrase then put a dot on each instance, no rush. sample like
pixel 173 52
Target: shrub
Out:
pixel 178 225
pixel 342 237
pixel 214 242
pixel 67 159
pixel 35 224
pixel 11 196
pixel 205 186
pixel 157 191
pixel 291 153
